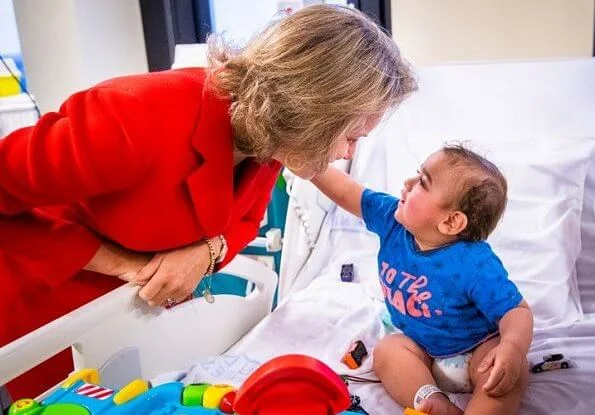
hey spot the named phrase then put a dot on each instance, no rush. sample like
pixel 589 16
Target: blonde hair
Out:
pixel 306 80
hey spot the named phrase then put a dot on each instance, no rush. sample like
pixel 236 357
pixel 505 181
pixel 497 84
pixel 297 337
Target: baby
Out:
pixel 466 327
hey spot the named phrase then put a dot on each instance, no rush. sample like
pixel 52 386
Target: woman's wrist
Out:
pixel 113 260
pixel 105 261
pixel 101 260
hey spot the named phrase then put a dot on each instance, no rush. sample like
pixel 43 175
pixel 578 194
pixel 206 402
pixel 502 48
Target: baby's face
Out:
pixel 424 197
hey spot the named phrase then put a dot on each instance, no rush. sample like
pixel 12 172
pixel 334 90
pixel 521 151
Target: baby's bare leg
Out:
pixel 482 403
pixel 404 367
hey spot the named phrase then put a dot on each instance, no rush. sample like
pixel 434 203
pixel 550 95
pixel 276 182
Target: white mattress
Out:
pixel 323 319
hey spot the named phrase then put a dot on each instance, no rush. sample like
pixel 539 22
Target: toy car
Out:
pixel 355 355
pixel 551 362
pixel 347 273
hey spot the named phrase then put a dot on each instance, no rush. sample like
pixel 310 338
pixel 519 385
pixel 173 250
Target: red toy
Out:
pixel 292 385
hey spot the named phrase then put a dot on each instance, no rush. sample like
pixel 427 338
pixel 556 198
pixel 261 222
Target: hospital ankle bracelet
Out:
pixel 424 393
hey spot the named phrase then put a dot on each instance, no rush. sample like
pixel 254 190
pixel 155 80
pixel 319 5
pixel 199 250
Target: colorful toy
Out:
pixel 80 394
pixel 287 385
pixel 355 355
pixel 551 362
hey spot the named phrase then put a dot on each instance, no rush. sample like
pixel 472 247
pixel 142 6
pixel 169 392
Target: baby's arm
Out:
pixel 516 327
pixel 506 359
pixel 341 189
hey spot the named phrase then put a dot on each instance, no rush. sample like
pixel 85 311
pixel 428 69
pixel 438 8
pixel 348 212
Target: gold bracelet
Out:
pixel 213 256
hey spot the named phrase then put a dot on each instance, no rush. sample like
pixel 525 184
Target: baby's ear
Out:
pixel 454 223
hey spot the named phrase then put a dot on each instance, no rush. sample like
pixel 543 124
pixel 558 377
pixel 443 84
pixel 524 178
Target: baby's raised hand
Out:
pixel 504 363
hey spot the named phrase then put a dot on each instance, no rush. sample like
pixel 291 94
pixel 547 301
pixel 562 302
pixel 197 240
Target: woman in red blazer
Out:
pixel 160 178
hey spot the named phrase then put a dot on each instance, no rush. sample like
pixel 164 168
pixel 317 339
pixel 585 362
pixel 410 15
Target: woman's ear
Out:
pixel 453 224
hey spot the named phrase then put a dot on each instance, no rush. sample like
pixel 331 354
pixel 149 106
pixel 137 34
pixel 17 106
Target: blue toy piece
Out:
pixel 161 400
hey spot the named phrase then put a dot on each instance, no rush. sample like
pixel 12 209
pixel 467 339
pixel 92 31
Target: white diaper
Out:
pixel 452 373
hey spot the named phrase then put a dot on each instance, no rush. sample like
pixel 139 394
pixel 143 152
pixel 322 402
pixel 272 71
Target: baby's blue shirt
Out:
pixel 450 299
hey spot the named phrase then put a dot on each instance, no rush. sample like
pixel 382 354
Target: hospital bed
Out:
pixel 535 120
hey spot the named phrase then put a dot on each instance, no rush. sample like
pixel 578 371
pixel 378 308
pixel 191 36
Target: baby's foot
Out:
pixel 438 404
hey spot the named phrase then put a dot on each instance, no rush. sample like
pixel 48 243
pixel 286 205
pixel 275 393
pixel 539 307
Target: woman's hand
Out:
pixel 113 260
pixel 173 275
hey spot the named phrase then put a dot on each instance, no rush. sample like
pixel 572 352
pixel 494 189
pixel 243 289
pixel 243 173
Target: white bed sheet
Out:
pixel 323 319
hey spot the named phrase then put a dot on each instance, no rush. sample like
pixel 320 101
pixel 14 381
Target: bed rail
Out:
pixel 119 325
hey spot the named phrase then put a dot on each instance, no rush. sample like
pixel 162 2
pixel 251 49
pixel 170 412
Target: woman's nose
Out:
pixel 350 151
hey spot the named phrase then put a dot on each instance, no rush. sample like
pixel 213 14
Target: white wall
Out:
pixel 240 19
pixel 68 45
pixel 436 31
pixel 9 37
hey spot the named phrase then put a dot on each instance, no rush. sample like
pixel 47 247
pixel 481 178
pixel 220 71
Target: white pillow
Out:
pixel 538 239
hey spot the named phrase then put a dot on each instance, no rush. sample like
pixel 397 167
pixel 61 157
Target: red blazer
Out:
pixel 145 161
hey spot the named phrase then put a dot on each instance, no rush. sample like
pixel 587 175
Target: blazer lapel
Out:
pixel 211 184
pixel 255 176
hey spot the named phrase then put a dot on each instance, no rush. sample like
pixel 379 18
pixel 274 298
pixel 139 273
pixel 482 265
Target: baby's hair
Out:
pixel 306 80
pixel 481 190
